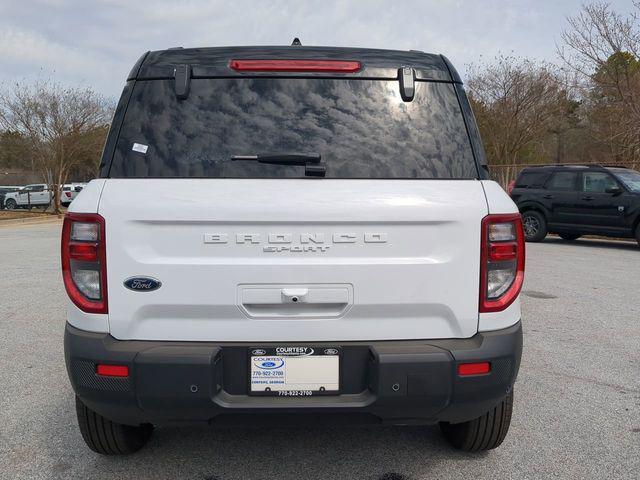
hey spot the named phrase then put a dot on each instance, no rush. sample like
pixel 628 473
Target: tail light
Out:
pixel 511 186
pixel 501 261
pixel 68 194
pixel 84 267
pixel 329 66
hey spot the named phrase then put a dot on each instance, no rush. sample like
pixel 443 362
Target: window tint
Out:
pixel 361 128
pixel 564 181
pixel 531 179
pixel 597 182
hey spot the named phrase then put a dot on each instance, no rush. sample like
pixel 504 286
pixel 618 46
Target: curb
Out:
pixel 30 221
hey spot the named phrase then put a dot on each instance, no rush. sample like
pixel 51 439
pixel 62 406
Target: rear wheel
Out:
pixel 109 438
pixel 638 233
pixel 483 433
pixel 569 236
pixel 10 204
pixel 535 226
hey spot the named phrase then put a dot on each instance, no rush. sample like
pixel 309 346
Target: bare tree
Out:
pixel 516 102
pixel 604 47
pixel 13 148
pixel 63 127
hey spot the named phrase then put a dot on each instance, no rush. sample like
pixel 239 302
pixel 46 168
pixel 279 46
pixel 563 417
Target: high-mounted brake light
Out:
pixel 501 261
pixel 84 263
pixel 327 66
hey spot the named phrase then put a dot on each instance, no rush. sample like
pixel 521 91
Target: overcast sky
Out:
pixel 95 43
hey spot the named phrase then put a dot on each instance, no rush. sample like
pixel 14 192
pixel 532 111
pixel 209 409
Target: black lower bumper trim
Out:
pixel 409 381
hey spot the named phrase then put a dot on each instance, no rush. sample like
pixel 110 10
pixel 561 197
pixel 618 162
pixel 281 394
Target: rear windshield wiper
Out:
pixel 310 161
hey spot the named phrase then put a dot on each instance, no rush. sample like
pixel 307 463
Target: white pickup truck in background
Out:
pixel 39 195
pixel 34 195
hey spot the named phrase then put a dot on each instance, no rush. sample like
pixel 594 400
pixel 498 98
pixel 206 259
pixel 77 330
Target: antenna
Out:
pixel 296 42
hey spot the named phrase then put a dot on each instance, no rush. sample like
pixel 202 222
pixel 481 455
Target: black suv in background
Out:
pixel 575 200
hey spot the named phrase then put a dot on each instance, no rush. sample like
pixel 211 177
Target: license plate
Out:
pixel 294 371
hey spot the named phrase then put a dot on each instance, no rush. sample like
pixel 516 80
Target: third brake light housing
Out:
pixel 326 66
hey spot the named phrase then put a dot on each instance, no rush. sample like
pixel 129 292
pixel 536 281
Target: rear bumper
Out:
pixel 398 382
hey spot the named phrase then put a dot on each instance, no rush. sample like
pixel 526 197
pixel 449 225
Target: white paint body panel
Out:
pixel 407 250
pixel 91 322
pixel 88 199
pixel 498 201
pixel 418 284
pixel 499 320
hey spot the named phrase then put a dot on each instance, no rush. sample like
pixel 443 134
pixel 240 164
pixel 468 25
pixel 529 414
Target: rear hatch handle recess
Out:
pixel 310 161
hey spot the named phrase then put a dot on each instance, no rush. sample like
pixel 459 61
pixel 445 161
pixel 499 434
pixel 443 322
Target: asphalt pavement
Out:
pixel 577 398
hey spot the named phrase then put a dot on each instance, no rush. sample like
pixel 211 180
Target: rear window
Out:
pixel 361 129
pixel 531 179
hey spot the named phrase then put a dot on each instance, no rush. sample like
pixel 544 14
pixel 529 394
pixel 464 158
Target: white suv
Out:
pixel 311 232
pixel 34 195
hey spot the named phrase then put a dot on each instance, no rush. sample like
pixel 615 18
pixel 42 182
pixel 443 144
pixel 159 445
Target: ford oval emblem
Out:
pixel 142 284
pixel 269 364
pixel 258 351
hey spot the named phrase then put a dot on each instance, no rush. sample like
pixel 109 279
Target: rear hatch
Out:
pixel 385 245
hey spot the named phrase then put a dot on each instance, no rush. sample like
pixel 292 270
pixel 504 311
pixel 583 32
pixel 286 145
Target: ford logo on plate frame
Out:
pixel 142 284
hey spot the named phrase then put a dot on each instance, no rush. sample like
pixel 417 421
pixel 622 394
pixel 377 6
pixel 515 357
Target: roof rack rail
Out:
pixel 556 165
pixel 580 165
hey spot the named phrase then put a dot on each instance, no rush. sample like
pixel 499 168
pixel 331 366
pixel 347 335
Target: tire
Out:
pixel 65 204
pixel 483 433
pixel 109 438
pixel 569 237
pixel 535 226
pixel 638 233
pixel 10 204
